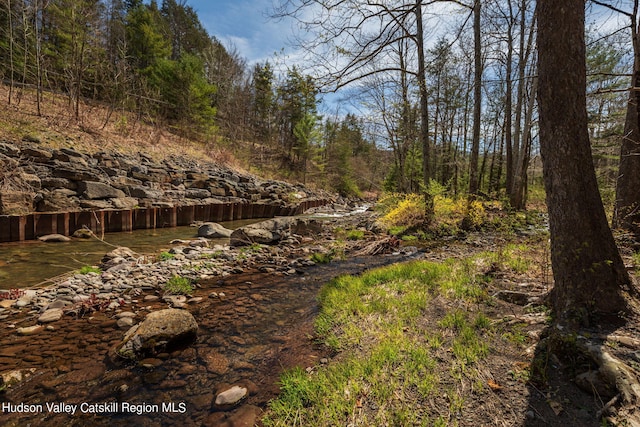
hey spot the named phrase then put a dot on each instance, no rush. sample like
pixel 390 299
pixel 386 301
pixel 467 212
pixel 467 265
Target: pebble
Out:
pixel 231 396
pixel 23 302
pixel 125 322
pixel 125 314
pixel 29 330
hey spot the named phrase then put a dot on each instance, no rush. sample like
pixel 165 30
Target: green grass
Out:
pixel 388 368
pixel 164 256
pixel 89 269
pixel 322 258
pixel 355 235
pixel 178 285
pixel 636 260
pixel 511 257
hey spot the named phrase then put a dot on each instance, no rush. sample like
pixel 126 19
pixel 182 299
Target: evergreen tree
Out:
pixel 263 101
pixel 297 99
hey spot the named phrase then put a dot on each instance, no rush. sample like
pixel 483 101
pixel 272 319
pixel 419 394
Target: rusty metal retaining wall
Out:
pixel 29 227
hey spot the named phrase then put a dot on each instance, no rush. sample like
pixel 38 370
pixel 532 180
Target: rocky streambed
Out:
pixel 254 307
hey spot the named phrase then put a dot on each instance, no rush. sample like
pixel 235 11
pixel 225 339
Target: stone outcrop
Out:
pixel 65 180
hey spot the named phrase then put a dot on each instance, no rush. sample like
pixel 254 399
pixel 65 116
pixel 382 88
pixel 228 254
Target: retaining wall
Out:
pixel 14 228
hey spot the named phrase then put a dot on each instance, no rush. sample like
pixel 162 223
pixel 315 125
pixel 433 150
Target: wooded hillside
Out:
pixel 456 105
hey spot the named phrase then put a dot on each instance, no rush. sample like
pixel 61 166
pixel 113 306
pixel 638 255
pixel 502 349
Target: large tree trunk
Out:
pixel 627 206
pixel 590 277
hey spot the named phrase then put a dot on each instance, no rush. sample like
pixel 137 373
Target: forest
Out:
pixel 450 99
pixel 450 114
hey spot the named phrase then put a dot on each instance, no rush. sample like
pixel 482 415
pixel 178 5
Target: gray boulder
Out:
pixel 144 192
pixel 272 231
pixel 161 331
pixel 124 203
pixel 212 230
pixel 59 200
pixel 97 190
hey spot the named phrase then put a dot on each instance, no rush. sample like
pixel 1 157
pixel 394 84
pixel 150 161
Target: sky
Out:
pixel 244 24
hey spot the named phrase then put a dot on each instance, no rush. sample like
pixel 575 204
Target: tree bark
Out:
pixel 590 277
pixel 477 101
pixel 424 102
pixel 627 205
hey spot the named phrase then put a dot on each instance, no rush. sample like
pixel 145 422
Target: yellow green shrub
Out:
pixel 408 211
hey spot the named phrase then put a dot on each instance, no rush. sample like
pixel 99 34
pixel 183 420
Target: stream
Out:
pixel 252 325
pixel 257 326
pixel 30 263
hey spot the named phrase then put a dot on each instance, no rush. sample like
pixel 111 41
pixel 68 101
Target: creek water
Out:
pixel 262 325
pixel 251 326
pixel 26 264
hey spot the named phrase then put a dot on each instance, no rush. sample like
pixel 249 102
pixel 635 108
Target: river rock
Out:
pixel 125 322
pixel 83 233
pixel 274 230
pixel 231 396
pixel 124 203
pixel 144 192
pixel 51 315
pixel 54 238
pixel 36 154
pixel 116 257
pixel 16 202
pixel 29 330
pixel 213 230
pixel 161 331
pixel 58 200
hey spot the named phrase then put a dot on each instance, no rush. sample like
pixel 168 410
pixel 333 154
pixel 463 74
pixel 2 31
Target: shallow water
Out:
pixel 262 325
pixel 26 264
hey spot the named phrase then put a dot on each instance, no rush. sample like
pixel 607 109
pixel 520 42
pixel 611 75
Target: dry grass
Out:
pixel 99 129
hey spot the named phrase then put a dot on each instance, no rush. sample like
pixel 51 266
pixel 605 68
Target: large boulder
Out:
pixel 97 190
pixel 144 192
pixel 212 230
pixel 160 332
pixel 16 202
pixel 59 200
pixel 272 231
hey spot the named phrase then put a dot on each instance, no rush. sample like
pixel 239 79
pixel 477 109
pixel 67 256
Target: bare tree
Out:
pixel 627 204
pixel 354 39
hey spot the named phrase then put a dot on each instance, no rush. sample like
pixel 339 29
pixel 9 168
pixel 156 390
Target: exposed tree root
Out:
pixel 624 406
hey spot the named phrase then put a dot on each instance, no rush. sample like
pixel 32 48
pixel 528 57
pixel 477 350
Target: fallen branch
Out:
pixel 384 246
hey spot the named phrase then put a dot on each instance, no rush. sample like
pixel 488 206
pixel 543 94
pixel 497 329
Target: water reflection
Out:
pixel 25 264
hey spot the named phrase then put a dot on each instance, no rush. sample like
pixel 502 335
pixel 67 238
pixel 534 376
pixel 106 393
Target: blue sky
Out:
pixel 245 25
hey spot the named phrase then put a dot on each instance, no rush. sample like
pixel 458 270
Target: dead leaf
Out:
pixel 494 385
pixel 556 406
